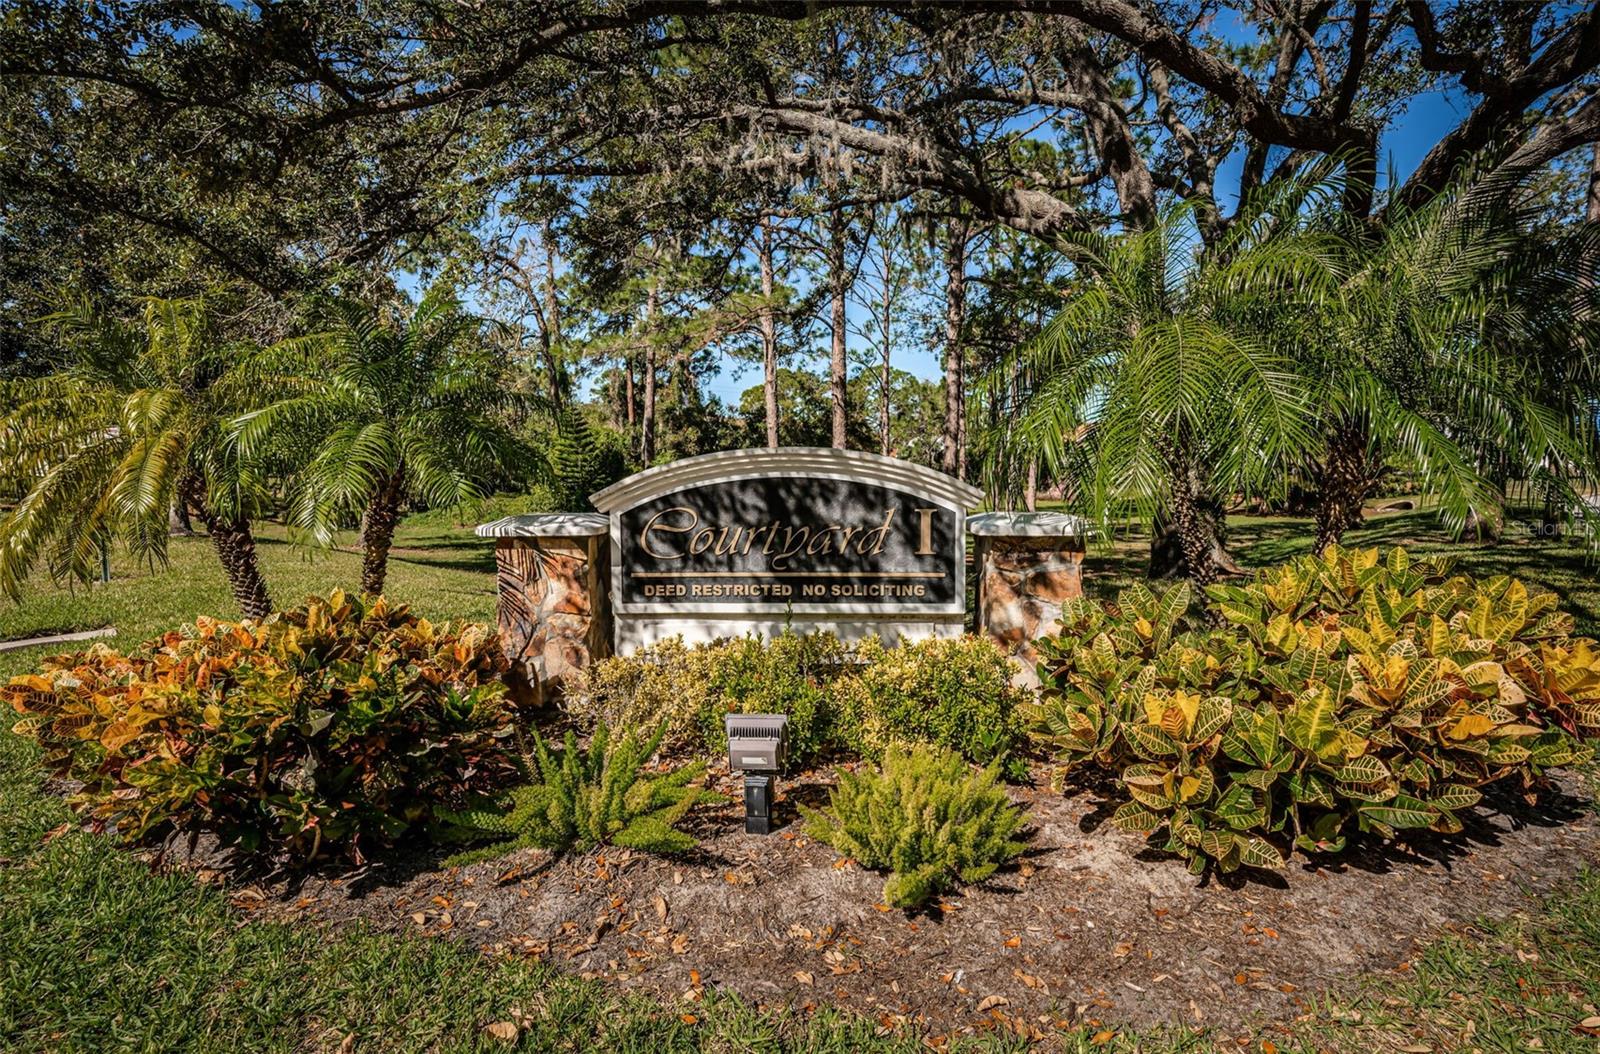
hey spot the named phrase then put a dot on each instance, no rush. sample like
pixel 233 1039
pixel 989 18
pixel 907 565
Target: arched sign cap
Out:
pixel 819 462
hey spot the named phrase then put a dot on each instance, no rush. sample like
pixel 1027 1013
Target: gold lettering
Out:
pixel 653 525
pixel 872 542
pixel 925 539
pixel 791 546
pixel 725 546
pixel 701 541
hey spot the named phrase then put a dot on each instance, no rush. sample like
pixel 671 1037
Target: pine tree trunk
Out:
pixel 885 332
pixel 955 307
pixel 838 365
pixel 552 319
pixel 628 394
pixel 1342 481
pixel 235 546
pixel 378 524
pixel 647 428
pixel 769 335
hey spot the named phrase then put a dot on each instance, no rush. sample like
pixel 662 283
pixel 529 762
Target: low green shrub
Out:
pixel 956 693
pixel 1346 692
pixel 926 817
pixel 665 686
pixel 583 798
pixel 859 698
pixel 340 724
pixel 790 674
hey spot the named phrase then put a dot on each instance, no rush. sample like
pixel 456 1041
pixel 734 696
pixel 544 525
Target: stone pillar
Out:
pixel 553 576
pixel 1028 564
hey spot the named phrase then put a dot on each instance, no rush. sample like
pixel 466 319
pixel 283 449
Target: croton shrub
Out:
pixel 336 726
pixel 1353 691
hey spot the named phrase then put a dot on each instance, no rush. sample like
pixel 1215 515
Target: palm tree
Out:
pixel 134 423
pixel 384 411
pixel 1430 353
pixel 1166 380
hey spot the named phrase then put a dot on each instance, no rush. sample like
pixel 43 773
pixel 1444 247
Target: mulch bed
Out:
pixel 1091 926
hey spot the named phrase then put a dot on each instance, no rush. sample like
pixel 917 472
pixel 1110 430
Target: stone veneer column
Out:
pixel 554 608
pixel 1028 564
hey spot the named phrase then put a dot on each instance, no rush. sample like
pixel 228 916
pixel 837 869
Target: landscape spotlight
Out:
pixel 758 746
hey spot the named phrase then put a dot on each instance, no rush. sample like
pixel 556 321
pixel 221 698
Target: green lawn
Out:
pixel 97 953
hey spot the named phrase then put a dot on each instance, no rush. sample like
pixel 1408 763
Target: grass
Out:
pixel 99 953
pixel 443 569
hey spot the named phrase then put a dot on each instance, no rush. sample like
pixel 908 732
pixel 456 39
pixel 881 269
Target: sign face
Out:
pixel 769 543
pixel 761 535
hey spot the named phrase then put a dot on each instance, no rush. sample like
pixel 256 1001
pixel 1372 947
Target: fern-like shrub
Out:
pixel 336 726
pixel 1348 692
pixel 581 798
pixel 926 817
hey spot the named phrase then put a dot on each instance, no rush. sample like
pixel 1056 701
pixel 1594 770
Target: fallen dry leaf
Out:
pixel 504 1031
pixel 660 903
pixel 1103 1037
pixel 803 977
pixel 688 1019
pixel 1590 1022
pixel 989 1002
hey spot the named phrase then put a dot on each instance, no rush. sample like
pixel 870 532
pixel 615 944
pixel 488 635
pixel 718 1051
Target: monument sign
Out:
pixel 755 540
pixel 759 541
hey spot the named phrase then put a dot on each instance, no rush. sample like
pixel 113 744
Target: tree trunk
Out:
pixel 235 547
pixel 552 320
pixel 627 381
pixel 178 523
pixel 885 332
pixel 1342 478
pixel 378 524
pixel 647 429
pixel 1194 532
pixel 1030 495
pixel 955 308
pixel 837 366
pixel 769 335
pixel 1187 540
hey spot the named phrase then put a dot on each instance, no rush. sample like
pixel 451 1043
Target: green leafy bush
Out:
pixel 585 798
pixel 689 689
pixel 1346 692
pixel 859 698
pixel 790 674
pixel 665 686
pixel 342 723
pixel 955 693
pixel 926 817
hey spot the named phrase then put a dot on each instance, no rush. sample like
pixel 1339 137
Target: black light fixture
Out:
pixel 758 746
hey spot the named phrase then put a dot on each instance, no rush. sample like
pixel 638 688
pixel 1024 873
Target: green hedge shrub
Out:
pixel 1355 691
pixel 665 686
pixel 583 798
pixel 790 674
pixel 955 693
pixel 926 817
pixel 341 724
pixel 857 698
